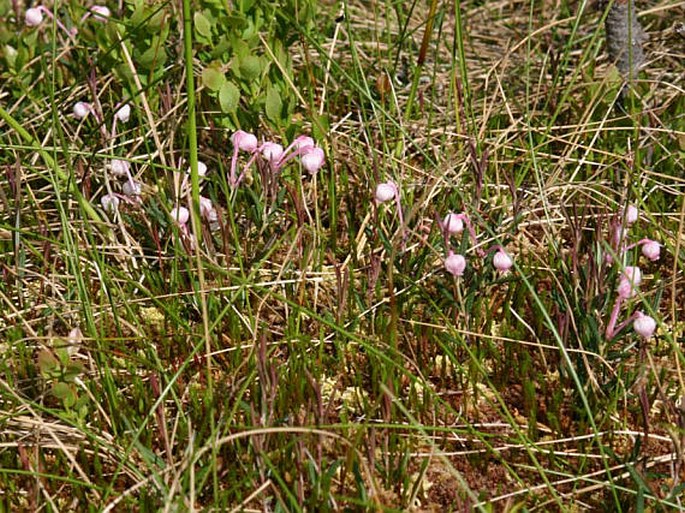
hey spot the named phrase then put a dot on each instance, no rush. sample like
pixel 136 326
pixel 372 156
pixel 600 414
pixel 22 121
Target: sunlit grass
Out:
pixel 307 349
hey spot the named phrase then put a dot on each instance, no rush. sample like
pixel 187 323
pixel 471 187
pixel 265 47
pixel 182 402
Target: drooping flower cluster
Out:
pixel 33 17
pixel 631 275
pixel 273 155
pixel 453 225
pixel 181 215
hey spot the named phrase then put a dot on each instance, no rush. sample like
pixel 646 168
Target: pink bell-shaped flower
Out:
pixel 119 168
pixel 180 215
pixel 131 188
pixel 652 250
pixel 631 214
pixel 272 151
pixel 313 159
pixel 101 12
pixel 453 224
pixel 455 264
pixel 82 109
pixel 33 17
pixel 244 141
pixel 629 281
pixel 644 325
pixel 502 261
pixel 386 192
pixel 110 203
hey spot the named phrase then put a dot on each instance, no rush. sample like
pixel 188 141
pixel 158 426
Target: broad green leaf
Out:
pixel 223 46
pixel 47 362
pixel 250 67
pixel 202 25
pixel 64 392
pixel 213 79
pixel 10 55
pixel 155 56
pixel 274 104
pixel 229 96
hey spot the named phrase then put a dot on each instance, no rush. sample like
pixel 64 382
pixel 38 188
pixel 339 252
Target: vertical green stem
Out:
pixel 191 132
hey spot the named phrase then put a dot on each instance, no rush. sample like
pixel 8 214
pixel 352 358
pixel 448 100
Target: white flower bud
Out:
pixel 82 109
pixel 119 168
pixel 385 192
pixel 631 214
pixel 110 203
pixel 74 341
pixel 124 113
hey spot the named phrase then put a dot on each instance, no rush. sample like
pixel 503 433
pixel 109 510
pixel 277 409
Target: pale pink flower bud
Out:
pixel 82 109
pixel 100 12
pixel 644 325
pixel 652 250
pixel 33 17
pixel 303 141
pixel 244 141
pixel 131 188
pixel 207 209
pixel 313 159
pixel 453 224
pixel 631 214
pixel 119 168
pixel 109 202
pixel 272 151
pixel 180 215
pixel 502 261
pixel 455 264
pixel 386 192
pixel 124 113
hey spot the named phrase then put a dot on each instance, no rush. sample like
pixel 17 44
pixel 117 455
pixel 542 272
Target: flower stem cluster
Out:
pixel 273 155
pixel 631 277
pixel 117 168
pixel 181 215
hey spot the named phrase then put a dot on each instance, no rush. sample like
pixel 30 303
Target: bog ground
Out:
pixel 359 256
